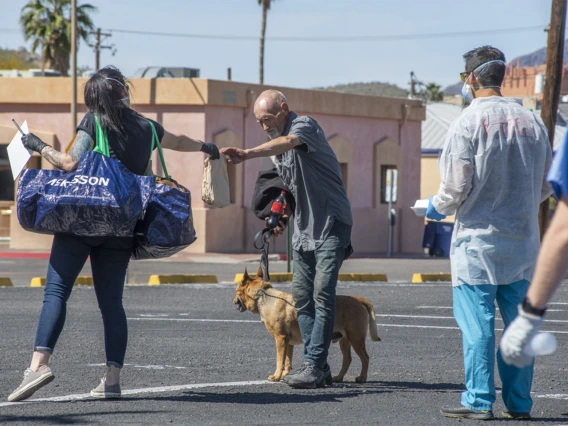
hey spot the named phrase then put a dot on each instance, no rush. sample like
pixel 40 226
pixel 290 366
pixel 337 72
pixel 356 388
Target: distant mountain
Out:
pixel 536 58
pixel 373 89
pixel 454 89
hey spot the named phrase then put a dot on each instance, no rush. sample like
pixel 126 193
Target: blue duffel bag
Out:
pixel 167 226
pixel 101 198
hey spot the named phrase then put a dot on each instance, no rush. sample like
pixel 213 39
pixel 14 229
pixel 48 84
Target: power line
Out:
pixel 390 37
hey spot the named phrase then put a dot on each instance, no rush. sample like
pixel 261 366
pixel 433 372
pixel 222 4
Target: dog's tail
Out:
pixel 372 320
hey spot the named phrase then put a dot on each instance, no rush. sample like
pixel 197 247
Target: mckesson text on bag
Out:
pixel 100 198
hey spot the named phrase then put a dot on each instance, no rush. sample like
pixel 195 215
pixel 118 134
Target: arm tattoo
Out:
pixel 53 156
pixel 83 143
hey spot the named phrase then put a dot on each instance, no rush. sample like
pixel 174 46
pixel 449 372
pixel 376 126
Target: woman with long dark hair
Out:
pixel 107 97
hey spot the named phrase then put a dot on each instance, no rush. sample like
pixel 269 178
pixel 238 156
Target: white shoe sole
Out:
pixel 31 387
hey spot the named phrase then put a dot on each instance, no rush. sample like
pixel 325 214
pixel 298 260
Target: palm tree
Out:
pixel 433 92
pixel 48 24
pixel 265 6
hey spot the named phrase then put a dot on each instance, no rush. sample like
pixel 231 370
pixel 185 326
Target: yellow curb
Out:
pixel 182 279
pixel 287 276
pixel 344 277
pixel 40 282
pixel 431 277
pixel 275 277
pixel 84 281
pixel 6 282
pixel 369 277
pixel 37 282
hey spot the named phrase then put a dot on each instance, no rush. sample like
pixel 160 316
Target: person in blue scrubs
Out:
pixel 493 169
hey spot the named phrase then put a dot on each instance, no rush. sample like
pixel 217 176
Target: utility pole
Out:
pixel 412 84
pixel 73 66
pixel 552 82
pixel 97 46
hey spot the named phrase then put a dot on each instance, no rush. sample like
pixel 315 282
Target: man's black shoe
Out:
pixel 308 378
pixel 327 377
pixel 466 413
pixel 293 373
pixel 516 416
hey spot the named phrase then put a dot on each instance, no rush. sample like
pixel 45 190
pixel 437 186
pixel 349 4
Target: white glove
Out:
pixel 517 336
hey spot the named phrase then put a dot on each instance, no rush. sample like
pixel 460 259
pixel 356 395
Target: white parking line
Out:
pixel 437 317
pixel 149 367
pixel 450 307
pixel 162 389
pixel 190 319
pixel 260 322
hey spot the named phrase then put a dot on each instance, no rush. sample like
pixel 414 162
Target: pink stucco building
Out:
pixel 368 134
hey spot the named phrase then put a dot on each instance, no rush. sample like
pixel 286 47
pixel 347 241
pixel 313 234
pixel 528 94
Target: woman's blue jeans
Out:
pixel 109 261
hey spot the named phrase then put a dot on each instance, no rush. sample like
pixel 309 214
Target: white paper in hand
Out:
pixel 420 207
pixel 18 154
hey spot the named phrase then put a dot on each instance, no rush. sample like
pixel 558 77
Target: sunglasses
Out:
pixel 463 75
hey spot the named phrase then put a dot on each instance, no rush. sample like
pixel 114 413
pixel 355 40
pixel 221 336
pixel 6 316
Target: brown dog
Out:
pixel 353 315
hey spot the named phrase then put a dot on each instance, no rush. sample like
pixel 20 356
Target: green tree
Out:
pixel 265 6
pixel 17 59
pixel 48 24
pixel 433 92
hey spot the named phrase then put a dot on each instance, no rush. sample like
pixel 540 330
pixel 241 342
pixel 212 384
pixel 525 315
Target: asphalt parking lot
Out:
pixel 194 359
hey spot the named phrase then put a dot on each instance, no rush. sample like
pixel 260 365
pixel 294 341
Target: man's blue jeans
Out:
pixel 109 261
pixel 313 288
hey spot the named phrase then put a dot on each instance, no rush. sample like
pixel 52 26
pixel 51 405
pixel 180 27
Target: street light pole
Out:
pixel 73 66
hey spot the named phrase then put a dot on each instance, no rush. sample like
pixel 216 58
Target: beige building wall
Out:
pixel 430 180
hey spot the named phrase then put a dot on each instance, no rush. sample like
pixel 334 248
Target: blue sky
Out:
pixel 306 64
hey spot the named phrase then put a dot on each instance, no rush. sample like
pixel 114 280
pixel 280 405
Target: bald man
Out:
pixel 322 224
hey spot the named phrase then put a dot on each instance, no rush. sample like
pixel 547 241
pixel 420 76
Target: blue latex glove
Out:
pixel 431 212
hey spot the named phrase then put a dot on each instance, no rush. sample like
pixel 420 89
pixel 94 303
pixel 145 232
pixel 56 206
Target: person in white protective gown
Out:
pixel 493 168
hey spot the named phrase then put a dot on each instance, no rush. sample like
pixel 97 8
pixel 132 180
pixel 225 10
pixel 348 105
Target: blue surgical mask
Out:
pixel 467 89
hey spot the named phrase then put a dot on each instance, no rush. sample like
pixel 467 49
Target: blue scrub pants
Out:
pixel 474 310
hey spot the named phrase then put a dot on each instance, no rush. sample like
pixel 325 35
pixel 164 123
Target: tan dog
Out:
pixel 353 315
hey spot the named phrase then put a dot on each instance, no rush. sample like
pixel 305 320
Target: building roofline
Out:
pixel 205 92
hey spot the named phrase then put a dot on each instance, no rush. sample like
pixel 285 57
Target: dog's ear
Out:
pixel 245 277
pixel 259 273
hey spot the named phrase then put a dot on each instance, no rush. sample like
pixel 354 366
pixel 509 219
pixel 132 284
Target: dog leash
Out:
pixel 261 242
pixel 262 290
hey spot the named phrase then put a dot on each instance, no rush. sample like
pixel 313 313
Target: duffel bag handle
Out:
pixel 101 143
pixel 156 144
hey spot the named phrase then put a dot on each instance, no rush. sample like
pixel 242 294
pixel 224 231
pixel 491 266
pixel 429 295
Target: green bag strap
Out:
pixel 101 143
pixel 156 144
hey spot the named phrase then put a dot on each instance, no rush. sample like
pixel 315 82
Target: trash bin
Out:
pixel 438 238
